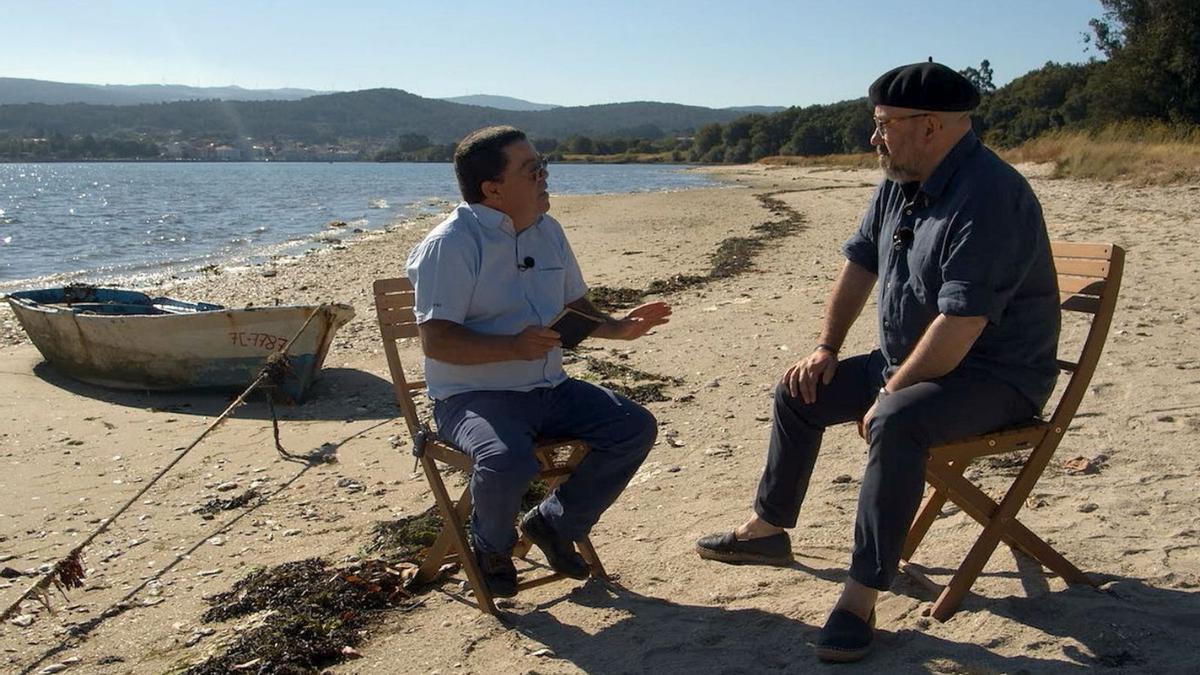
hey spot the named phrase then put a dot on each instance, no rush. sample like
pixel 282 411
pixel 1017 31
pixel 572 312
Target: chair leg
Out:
pixel 454 524
pixel 593 560
pixel 440 549
pixel 930 509
pixel 977 504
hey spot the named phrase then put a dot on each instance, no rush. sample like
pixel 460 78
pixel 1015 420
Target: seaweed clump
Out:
pixel 315 614
pixel 734 256
pixel 633 384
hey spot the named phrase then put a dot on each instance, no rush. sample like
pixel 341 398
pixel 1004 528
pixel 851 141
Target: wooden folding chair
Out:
pixel 1089 277
pixel 558 458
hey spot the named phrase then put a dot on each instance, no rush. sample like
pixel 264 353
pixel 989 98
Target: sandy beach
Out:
pixel 72 453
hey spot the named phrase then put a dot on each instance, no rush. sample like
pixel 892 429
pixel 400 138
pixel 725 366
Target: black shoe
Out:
pixel 560 553
pixel 499 574
pixel 775 549
pixel 845 637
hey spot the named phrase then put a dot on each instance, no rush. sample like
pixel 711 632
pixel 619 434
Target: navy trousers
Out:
pixel 906 424
pixel 497 430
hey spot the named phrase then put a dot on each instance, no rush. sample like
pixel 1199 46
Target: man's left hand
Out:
pixel 864 425
pixel 638 321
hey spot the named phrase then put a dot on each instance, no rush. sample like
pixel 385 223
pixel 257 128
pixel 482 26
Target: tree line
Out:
pixel 1150 74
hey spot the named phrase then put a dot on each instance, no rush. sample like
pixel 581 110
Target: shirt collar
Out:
pixel 936 183
pixel 495 219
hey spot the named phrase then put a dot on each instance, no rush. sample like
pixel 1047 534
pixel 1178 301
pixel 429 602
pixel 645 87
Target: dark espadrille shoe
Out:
pixel 499 573
pixel 845 637
pixel 775 549
pixel 559 552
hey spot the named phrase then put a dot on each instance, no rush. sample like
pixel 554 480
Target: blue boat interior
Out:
pixel 108 301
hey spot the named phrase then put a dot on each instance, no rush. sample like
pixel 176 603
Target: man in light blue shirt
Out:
pixel 488 281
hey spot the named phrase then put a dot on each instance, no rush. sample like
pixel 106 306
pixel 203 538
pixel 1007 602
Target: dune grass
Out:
pixel 1140 153
pixel 1148 154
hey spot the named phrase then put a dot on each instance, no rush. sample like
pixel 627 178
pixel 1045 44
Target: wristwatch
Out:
pixel 827 348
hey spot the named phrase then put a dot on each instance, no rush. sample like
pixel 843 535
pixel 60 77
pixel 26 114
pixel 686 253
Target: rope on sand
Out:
pixel 68 572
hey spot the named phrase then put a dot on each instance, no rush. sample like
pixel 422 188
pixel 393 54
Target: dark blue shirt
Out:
pixel 969 241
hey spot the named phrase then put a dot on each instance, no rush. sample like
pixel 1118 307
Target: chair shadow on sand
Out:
pixel 342 394
pixel 1129 624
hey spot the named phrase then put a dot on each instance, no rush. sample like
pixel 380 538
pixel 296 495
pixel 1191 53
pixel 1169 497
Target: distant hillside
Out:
pixel 14 90
pixel 501 102
pixel 760 109
pixel 379 114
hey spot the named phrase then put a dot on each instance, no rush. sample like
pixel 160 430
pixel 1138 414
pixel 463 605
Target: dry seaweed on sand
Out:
pixel 734 256
pixel 313 612
pixel 216 505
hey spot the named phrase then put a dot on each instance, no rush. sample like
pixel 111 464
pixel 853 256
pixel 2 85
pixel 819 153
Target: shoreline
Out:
pixel 73 452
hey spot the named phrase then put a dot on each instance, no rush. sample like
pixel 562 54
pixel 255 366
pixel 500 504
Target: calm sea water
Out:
pixel 112 220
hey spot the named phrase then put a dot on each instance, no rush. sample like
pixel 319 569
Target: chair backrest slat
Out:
pixel 394 300
pixel 1089 280
pixel 1082 267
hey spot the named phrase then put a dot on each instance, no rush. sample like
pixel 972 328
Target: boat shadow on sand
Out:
pixel 343 394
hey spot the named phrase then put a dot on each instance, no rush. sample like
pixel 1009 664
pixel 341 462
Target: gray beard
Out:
pixel 896 172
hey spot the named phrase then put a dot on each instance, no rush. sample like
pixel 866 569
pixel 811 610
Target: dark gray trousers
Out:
pixel 906 424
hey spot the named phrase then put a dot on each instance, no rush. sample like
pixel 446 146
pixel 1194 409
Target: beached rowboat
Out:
pixel 128 340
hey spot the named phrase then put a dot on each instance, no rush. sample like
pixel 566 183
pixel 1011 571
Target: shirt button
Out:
pixel 886 324
pixel 908 212
pixel 895 361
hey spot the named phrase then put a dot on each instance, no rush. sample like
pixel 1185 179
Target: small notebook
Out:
pixel 574 326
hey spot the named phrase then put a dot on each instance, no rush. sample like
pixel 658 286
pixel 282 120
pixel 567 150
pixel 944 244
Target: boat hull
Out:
pixel 180 345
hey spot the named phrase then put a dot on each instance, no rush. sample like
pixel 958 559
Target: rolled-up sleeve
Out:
pixel 862 248
pixel 987 259
pixel 443 271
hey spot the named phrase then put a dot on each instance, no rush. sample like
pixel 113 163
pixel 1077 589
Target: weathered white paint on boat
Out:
pixel 128 340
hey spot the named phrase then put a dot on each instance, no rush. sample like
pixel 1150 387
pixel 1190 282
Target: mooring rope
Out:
pixel 68 572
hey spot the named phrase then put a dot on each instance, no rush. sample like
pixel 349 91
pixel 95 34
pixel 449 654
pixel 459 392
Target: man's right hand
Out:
pixel 535 342
pixel 801 379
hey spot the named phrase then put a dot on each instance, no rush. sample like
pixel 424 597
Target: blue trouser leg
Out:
pixel 497 430
pixel 620 434
pixel 906 424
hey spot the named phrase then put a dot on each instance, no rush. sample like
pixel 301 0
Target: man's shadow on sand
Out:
pixel 342 394
pixel 1128 624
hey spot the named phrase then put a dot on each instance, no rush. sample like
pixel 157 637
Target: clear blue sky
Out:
pixel 712 53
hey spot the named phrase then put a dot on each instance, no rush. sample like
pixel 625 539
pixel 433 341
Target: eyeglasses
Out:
pixel 881 126
pixel 540 165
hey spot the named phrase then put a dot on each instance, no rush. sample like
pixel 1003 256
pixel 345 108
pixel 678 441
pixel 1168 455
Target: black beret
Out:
pixel 924 86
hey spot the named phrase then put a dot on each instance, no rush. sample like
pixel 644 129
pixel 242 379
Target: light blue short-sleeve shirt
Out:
pixel 473 269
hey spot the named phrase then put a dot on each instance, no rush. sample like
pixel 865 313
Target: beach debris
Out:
pixel 24 620
pixel 10 573
pixel 217 505
pixel 1088 507
pixel 636 385
pixel 314 612
pixel 53 668
pixel 733 256
pixel 1078 466
pixel 227 486
pixel 335 224
pixel 548 653
pixel 843 478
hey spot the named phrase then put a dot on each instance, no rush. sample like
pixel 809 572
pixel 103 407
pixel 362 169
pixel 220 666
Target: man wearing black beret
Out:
pixel 968 329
